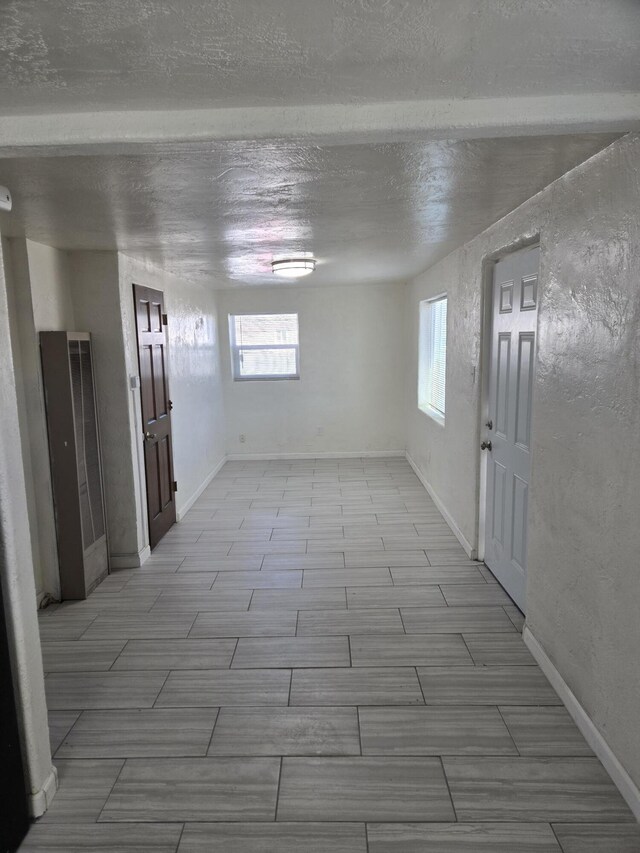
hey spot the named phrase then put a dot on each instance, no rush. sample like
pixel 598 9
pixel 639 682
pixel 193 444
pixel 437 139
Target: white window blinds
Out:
pixel 264 346
pixel 432 360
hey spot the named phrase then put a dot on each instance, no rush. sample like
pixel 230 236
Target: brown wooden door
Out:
pixel 156 411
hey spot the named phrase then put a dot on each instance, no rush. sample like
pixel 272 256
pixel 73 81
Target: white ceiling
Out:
pixel 78 55
pixel 210 135
pixel 369 213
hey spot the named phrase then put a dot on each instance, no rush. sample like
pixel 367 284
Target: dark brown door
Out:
pixel 156 411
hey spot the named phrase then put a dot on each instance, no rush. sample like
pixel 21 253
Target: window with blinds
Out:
pixel 432 357
pixel 264 346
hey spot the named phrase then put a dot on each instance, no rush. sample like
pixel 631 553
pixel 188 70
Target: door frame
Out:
pixel 486 312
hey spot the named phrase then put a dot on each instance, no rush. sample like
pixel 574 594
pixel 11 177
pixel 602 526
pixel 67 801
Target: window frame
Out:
pixel 426 345
pixel 235 348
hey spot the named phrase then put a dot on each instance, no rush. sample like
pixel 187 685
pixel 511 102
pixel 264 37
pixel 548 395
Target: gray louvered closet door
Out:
pixel 76 475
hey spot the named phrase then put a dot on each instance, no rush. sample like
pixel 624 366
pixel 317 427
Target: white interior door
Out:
pixel 507 434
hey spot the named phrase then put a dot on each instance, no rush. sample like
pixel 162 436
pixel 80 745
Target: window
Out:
pixel 264 346
pixel 432 357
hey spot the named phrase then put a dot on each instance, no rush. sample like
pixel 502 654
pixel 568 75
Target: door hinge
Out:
pixel 164 319
pixel 175 485
pixel 170 405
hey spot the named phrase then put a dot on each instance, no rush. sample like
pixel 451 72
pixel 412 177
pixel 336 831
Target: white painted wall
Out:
pixel 583 582
pixel 351 368
pixel 16 576
pixel 194 374
pixel 98 309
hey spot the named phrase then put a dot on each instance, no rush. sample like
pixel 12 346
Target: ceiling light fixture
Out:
pixel 293 267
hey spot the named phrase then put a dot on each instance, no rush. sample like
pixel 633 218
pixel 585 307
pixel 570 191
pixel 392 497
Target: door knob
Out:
pixel 489 425
pixel 486 445
pixel 150 436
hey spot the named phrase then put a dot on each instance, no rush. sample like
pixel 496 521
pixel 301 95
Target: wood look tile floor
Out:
pixel 310 663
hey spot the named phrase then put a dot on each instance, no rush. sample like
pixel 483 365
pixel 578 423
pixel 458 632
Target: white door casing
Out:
pixel 508 430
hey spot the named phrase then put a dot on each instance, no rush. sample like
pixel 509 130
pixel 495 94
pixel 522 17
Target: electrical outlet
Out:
pixel 242 438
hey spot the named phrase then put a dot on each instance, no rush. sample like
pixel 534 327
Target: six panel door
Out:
pixel 513 348
pixel 156 411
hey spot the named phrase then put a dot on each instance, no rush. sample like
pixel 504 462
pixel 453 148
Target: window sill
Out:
pixel 434 415
pixel 264 378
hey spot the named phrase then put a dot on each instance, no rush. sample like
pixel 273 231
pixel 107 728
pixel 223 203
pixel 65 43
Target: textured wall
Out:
pixel 97 305
pixel 194 371
pixel 16 576
pixel 351 363
pixel 583 583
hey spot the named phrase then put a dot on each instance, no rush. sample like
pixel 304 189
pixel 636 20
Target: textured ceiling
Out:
pixel 83 55
pixel 222 212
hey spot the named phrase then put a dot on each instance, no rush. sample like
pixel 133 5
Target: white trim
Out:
pixel 42 799
pixel 468 547
pixel 184 509
pixel 129 561
pixel 621 779
pixel 350 454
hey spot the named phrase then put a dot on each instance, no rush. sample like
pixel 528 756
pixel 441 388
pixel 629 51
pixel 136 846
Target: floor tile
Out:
pixel 72 656
pixel 220 564
pixel 198 789
pixel 59 724
pixel 357 686
pixel 533 789
pixel 274 838
pixel 73 690
pixel 436 575
pixel 45 837
pixel 598 838
pixel 434 731
pixel 516 616
pixel 83 788
pixel 498 649
pixel 363 789
pixel 544 731
pixel 346 577
pixel 397 596
pixel 174 601
pixel 250 624
pixel 410 650
pixel 439 620
pixel 370 559
pixel 496 685
pixel 141 733
pixel 66 628
pixel 291 652
pixel 283 562
pixel 217 687
pixel 472 595
pixel 461 838
pixel 176 654
pixel 259 580
pixel 143 626
pixel 286 731
pixel 333 622
pixel 324 598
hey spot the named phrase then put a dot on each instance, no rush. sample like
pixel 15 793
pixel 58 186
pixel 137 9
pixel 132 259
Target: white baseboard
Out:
pixel 42 799
pixel 186 506
pixel 621 779
pixel 470 550
pixel 351 454
pixel 129 561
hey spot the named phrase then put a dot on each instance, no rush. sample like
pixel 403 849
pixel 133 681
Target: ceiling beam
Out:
pixel 136 131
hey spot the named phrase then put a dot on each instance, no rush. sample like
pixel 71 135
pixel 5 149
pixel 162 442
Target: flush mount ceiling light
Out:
pixel 293 267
